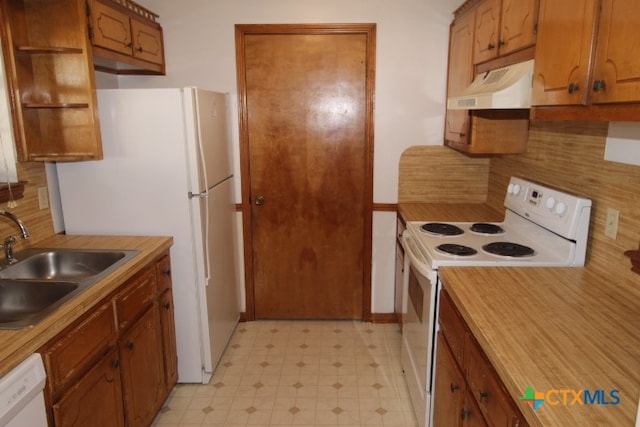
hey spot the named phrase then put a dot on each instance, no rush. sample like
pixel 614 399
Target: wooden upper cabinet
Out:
pixel 460 74
pixel 518 25
pixel 503 27
pixel 566 30
pixel 125 37
pixel 616 75
pixel 487 33
pixel 50 75
pixel 110 28
pixel 147 42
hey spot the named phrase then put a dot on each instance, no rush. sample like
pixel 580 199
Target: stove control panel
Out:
pixel 563 213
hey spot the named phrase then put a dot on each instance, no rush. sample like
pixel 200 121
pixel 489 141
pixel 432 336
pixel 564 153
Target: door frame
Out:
pixel 241 30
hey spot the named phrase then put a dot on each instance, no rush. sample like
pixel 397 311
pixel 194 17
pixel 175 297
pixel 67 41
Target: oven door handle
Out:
pixel 416 258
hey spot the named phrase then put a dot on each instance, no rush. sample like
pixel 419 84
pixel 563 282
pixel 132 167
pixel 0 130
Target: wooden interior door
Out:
pixel 306 144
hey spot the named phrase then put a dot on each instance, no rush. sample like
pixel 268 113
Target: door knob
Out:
pixel 259 200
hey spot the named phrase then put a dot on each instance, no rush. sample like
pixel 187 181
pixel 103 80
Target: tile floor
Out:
pixel 300 373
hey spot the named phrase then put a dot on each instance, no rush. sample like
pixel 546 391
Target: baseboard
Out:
pixel 384 318
pixel 375 317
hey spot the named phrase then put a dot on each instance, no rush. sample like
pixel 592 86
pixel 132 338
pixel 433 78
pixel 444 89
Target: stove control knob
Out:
pixel 551 202
pixel 561 209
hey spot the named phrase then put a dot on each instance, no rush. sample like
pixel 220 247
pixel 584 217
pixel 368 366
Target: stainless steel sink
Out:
pixel 24 302
pixel 44 279
pixel 59 264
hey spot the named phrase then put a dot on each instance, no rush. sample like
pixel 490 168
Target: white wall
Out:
pixel 411 63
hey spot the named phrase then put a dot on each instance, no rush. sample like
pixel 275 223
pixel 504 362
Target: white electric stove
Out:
pixel 543 227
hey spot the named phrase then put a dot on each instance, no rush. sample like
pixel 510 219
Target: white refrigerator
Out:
pixel 167 171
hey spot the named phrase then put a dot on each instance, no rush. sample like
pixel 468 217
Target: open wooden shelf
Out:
pixel 17 191
pixel 54 105
pixel 47 50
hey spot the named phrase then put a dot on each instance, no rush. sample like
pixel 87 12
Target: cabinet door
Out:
pixel 470 414
pixel 485 45
pixel 484 383
pixel 449 387
pixel 142 369
pixel 616 77
pixel 147 42
pixel 167 321
pixel 95 400
pixel 399 282
pixel 517 25
pixel 111 28
pixel 563 52
pixel 460 75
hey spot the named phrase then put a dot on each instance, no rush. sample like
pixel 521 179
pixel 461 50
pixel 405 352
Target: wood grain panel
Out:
pixel 556 328
pixel 570 156
pixel 436 174
pixel 37 221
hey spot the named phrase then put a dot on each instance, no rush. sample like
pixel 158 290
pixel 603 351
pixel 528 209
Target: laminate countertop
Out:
pixel 569 334
pixel 18 344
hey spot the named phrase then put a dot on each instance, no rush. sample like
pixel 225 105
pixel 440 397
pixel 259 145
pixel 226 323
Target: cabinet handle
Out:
pixel 501 43
pixel 491 46
pixel 483 395
pixel 167 306
pixel 454 387
pixel 116 364
pixel 167 272
pixel 129 44
pixel 130 345
pixel 139 49
pixel 461 135
pixel 573 88
pixel 465 414
pixel 598 85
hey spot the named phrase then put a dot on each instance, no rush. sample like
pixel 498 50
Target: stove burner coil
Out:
pixel 441 229
pixel 486 228
pixel 458 250
pixel 508 249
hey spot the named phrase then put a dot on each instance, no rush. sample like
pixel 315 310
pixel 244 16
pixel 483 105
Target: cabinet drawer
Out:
pixel 163 274
pixel 452 327
pixel 79 347
pixel 484 384
pixel 135 298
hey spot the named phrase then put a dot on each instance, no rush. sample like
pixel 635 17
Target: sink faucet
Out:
pixel 9 241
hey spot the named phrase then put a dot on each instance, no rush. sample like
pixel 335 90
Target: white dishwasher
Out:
pixel 21 397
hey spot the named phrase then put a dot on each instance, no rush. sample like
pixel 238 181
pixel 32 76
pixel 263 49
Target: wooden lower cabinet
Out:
pixel 470 414
pixel 95 400
pixel 116 365
pixel 449 387
pixel 168 340
pixel 468 392
pixel 142 370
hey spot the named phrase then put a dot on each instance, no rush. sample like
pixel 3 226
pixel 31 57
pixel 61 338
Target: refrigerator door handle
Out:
pixel 193 195
pixel 203 174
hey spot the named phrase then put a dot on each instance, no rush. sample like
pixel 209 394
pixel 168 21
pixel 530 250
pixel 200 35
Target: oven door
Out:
pixel 418 329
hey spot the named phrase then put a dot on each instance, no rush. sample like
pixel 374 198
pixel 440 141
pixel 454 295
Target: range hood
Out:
pixel 503 88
